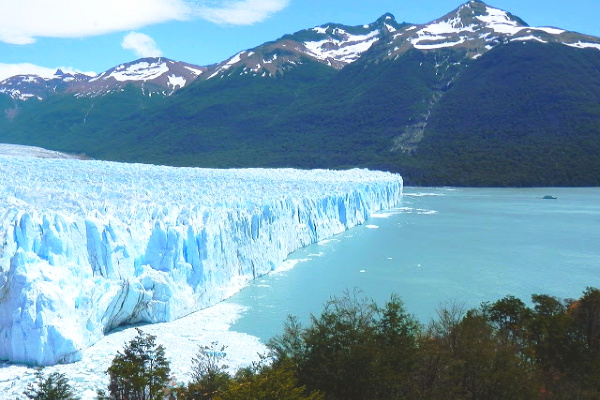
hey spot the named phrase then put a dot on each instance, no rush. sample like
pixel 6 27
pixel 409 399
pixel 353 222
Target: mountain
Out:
pixel 158 75
pixel 334 45
pixel 478 28
pixel 476 97
pixel 24 87
pixel 151 75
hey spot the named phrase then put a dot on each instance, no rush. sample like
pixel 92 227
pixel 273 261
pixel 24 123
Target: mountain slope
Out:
pixel 476 97
pixel 25 87
pixel 525 113
pixel 152 75
pixel 334 45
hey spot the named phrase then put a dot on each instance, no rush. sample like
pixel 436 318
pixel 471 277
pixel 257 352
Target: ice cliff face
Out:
pixel 87 246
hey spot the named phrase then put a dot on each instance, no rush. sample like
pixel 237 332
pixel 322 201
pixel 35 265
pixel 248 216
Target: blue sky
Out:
pixel 94 35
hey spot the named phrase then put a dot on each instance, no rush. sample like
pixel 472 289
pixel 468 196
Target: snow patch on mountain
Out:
pixel 454 25
pixel 176 81
pixel 528 38
pixel 584 45
pixel 270 59
pixel 419 46
pixel 17 95
pixel 196 71
pixel 226 66
pixel 500 21
pixel 348 49
pixel 111 244
pixel 552 31
pixel 390 28
pixel 28 79
pixel 142 71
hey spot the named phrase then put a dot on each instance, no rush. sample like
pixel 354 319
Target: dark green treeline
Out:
pixel 357 349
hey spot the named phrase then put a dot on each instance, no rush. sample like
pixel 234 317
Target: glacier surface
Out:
pixel 89 246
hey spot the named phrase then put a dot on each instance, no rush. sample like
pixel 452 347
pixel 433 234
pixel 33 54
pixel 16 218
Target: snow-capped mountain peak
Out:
pixel 340 47
pixel 474 28
pixel 477 28
pixel 25 87
pixel 153 74
pixel 141 70
pixel 331 44
pixel 498 20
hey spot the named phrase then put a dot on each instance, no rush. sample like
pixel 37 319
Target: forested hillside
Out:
pixel 474 98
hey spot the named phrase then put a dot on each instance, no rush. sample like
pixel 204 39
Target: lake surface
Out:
pixel 466 245
pixel 440 245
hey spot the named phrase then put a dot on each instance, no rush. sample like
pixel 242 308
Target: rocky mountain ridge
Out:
pixel 474 98
pixel 474 26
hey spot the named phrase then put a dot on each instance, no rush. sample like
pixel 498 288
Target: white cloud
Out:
pixel 22 21
pixel 8 70
pixel 243 12
pixel 142 45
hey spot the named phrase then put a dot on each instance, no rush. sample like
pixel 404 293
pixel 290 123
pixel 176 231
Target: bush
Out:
pixel 54 387
pixel 141 372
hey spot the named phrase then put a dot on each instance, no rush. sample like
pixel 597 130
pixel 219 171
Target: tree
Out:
pixel 509 316
pixel 268 383
pixel 353 349
pixel 585 314
pixel 341 348
pixel 445 327
pixel 397 335
pixel 141 372
pixel 289 347
pixel 436 349
pixel 551 335
pixel 54 387
pixel 209 373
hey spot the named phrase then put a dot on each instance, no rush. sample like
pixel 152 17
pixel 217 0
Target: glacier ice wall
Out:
pixel 87 246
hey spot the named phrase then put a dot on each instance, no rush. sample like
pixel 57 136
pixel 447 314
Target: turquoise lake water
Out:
pixel 440 245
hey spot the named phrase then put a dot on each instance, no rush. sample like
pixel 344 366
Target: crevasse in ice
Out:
pixel 87 246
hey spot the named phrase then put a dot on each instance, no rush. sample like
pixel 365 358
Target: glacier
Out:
pixel 89 246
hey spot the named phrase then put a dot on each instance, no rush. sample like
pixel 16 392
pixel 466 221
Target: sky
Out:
pixel 92 36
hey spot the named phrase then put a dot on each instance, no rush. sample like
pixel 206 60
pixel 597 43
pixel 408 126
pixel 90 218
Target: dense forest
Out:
pixel 522 114
pixel 357 349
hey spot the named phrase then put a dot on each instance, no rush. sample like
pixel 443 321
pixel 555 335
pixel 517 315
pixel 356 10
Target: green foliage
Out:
pixel 509 317
pixel 55 386
pixel 268 383
pixel 503 350
pixel 140 372
pixel 353 350
pixel 523 114
pixel 209 375
pixel 356 349
pixel 585 314
pixel 261 381
pixel 478 365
